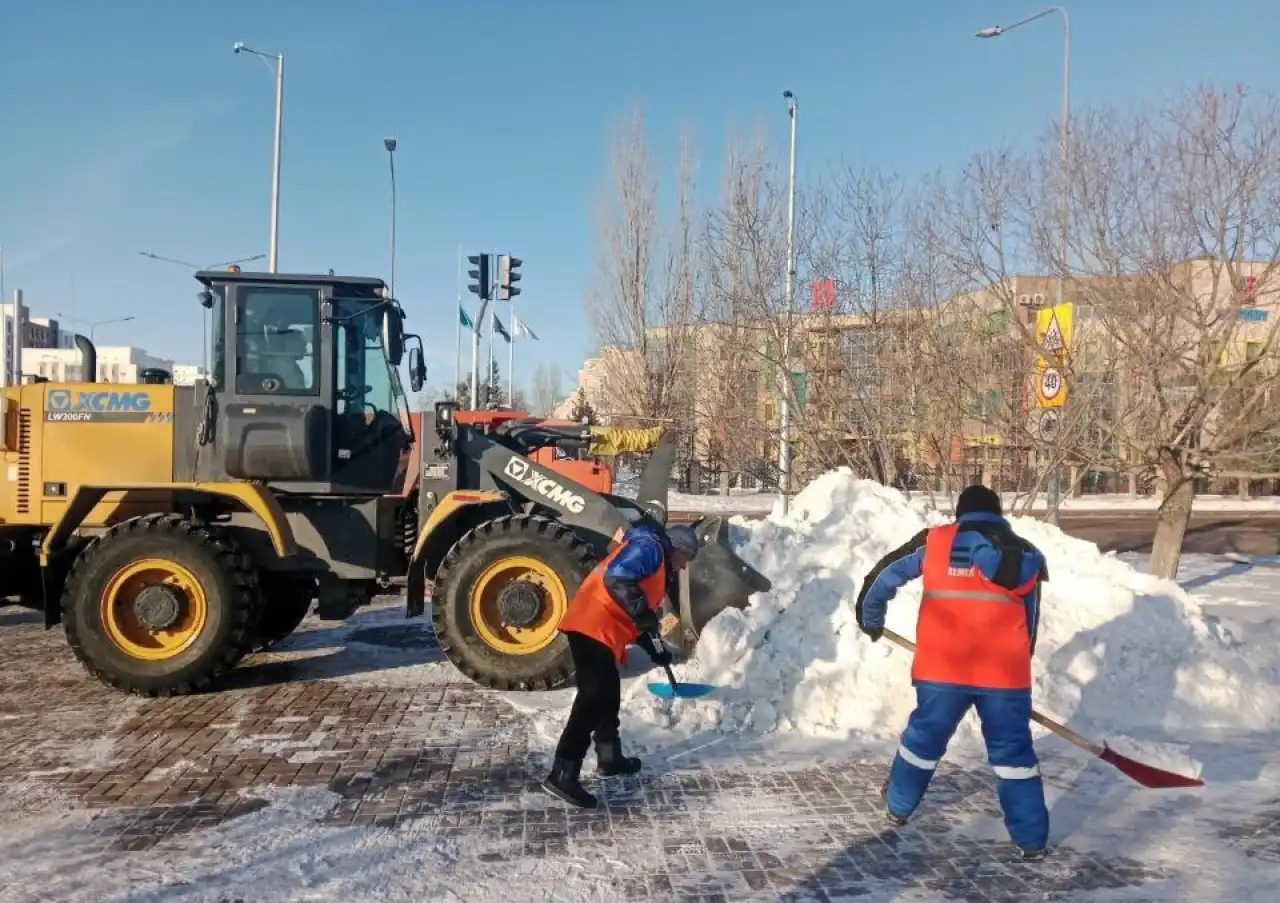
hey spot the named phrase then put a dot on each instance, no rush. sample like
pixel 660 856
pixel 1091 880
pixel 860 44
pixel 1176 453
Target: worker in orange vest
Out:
pixel 616 606
pixel 975 636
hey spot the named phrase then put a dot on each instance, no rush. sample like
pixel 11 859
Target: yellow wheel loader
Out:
pixel 506 540
pixel 172 530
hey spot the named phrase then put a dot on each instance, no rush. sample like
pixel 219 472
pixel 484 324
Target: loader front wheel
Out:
pixel 160 606
pixel 286 602
pixel 498 599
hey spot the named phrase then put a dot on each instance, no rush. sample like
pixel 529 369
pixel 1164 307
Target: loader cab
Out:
pixel 305 375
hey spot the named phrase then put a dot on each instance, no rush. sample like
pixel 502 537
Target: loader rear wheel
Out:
pixel 160 606
pixel 498 599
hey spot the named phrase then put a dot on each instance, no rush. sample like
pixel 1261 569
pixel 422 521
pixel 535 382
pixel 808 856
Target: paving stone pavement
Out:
pixel 402 746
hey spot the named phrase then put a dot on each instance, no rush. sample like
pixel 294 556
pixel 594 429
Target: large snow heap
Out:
pixel 1116 647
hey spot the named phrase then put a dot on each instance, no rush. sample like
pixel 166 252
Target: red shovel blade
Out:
pixel 1147 775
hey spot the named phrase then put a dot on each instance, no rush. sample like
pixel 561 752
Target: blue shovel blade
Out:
pixel 680 690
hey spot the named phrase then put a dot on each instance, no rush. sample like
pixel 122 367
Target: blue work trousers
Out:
pixel 1006 728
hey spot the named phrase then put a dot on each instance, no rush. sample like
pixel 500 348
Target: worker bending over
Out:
pixel 616 606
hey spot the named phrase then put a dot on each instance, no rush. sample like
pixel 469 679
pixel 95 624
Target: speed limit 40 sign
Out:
pixel 1051 388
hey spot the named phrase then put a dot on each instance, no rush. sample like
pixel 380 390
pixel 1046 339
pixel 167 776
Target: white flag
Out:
pixel 520 330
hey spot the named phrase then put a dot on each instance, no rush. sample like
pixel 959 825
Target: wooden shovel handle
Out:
pixel 1060 729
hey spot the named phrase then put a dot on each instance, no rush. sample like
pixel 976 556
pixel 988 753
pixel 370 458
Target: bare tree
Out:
pixel 1174 221
pixel 740 314
pixel 545 388
pixel 860 367
pixel 1178 232
pixel 642 298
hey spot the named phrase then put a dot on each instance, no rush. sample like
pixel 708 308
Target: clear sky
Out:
pixel 130 126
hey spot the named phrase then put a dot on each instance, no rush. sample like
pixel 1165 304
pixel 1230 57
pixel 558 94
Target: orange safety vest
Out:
pixel 970 632
pixel 593 612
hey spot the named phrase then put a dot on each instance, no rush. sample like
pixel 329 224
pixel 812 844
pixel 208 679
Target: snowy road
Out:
pixel 355 767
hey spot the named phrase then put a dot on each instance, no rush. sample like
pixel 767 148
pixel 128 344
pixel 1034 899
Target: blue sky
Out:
pixel 130 126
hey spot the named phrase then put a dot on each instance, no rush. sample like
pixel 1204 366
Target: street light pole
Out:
pixel 390 145
pixel 1064 162
pixel 279 140
pixel 784 411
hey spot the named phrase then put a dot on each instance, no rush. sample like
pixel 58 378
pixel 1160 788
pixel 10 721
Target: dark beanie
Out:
pixel 977 500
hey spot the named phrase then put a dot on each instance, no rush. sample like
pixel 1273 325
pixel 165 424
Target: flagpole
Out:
pixel 511 359
pixel 457 345
pixel 488 376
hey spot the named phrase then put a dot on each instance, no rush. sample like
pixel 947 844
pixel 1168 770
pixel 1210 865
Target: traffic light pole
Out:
pixel 475 355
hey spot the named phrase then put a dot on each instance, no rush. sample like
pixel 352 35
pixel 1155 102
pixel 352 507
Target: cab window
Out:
pixel 276 331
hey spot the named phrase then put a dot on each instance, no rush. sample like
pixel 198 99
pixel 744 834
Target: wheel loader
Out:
pixel 171 530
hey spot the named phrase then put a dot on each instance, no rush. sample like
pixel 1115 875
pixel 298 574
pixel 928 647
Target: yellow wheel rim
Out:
pixel 486 615
pixel 127 630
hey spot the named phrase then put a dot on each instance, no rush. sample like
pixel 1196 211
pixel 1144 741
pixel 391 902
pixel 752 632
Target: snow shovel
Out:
pixel 1146 775
pixel 674 689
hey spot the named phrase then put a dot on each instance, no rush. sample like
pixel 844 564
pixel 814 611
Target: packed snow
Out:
pixel 1117 649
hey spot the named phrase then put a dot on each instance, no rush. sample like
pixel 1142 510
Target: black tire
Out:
pixel 286 602
pixel 536 537
pixel 225 574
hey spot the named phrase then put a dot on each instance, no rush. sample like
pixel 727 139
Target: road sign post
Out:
pixel 1053 338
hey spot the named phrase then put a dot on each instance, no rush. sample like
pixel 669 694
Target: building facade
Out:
pixel 116 364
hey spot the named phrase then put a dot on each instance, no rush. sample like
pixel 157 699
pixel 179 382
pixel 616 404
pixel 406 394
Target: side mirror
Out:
pixel 393 335
pixel 417 369
pixel 206 299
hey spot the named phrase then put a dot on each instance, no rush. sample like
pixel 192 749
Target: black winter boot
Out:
pixel 610 761
pixel 895 819
pixel 563 782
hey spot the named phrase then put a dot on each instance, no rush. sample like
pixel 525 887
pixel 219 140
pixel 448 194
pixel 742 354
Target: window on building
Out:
pixel 276 331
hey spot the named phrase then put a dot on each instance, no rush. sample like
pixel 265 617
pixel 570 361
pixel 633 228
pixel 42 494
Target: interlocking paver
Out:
pixel 429 765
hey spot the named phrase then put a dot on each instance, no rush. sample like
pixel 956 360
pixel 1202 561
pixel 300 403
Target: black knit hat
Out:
pixel 977 500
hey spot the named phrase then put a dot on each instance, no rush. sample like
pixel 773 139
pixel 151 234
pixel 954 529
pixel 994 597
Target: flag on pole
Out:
pixel 465 319
pixel 521 330
pixel 500 329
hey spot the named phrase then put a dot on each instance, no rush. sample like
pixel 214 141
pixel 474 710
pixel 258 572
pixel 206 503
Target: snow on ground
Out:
pixel 1185 676
pixel 1117 648
pixel 756 502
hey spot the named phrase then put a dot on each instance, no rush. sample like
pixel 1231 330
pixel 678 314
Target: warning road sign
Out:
pixel 1054 342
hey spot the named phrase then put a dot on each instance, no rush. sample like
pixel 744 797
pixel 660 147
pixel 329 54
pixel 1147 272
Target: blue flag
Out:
pixel 500 329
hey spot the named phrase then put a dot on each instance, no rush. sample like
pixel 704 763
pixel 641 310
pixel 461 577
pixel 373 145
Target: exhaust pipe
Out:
pixel 88 359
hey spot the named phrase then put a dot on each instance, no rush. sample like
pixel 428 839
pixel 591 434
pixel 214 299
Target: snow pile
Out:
pixel 1116 647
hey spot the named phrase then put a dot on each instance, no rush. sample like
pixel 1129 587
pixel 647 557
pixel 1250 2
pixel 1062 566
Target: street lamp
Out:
pixel 996 31
pixel 93 325
pixel 275 175
pixel 390 145
pixel 196 266
pixel 784 413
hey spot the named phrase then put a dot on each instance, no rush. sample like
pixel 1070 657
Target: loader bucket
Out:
pixel 718 578
pixel 651 495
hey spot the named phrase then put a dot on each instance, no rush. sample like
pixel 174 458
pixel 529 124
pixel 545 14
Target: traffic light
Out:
pixel 508 275
pixel 482 286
